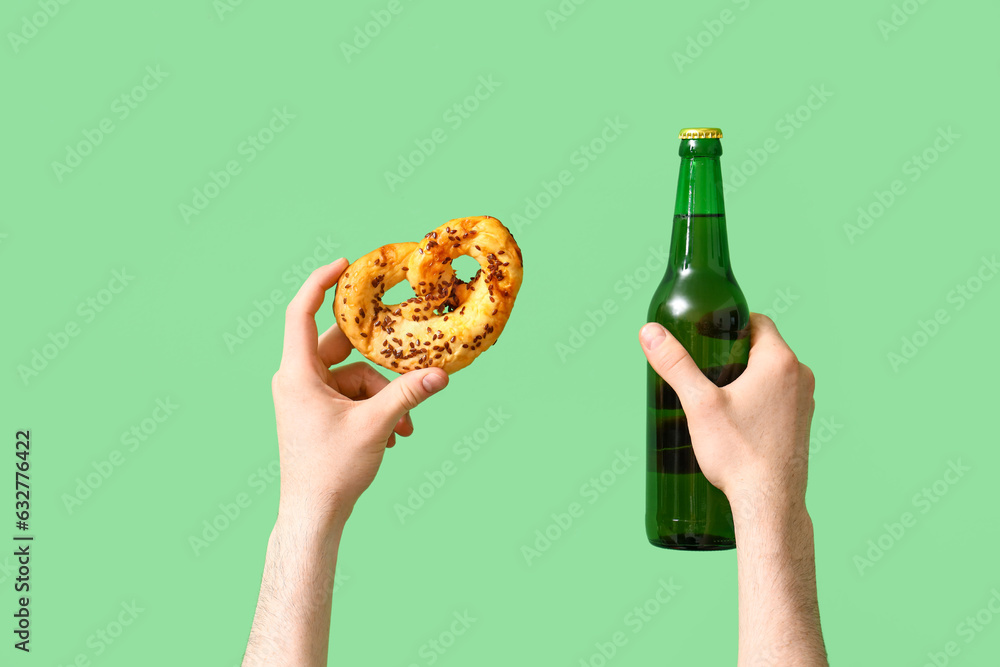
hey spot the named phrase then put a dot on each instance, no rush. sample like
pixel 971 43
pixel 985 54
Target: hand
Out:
pixel 334 425
pixel 751 437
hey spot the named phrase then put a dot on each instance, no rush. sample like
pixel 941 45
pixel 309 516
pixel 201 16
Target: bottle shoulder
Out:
pixel 692 295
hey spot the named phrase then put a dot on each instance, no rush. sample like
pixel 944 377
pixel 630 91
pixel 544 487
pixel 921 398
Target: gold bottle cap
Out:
pixel 700 133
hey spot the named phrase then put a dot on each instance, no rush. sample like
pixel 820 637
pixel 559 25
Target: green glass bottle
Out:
pixel 699 302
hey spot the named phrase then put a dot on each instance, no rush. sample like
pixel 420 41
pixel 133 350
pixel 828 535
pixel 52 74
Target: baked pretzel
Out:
pixel 449 322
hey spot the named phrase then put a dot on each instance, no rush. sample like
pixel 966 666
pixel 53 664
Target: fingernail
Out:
pixel 652 335
pixel 434 382
pixel 342 259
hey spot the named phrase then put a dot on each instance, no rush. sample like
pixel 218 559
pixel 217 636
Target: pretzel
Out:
pixel 449 322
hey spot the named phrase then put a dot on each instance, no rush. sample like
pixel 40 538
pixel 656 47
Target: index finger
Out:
pixel 301 337
pixel 333 346
pixel 764 337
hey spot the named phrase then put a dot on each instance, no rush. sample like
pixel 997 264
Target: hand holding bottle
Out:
pixel 751 437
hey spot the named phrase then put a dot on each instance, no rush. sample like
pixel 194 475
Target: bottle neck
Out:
pixel 698 240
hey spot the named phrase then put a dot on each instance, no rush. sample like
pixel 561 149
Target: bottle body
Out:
pixel 711 319
pixel 701 304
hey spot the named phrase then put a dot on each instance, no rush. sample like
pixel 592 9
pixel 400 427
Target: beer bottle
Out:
pixel 699 302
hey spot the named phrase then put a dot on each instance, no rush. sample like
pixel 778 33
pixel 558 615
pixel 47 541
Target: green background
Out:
pixel 844 304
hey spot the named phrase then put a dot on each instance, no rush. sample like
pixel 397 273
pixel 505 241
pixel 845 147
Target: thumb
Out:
pixel 407 392
pixel 673 363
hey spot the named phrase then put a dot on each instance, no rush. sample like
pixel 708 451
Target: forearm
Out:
pixel 778 609
pixel 292 623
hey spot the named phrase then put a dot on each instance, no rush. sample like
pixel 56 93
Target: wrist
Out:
pixel 309 522
pixel 301 551
pixel 777 536
pixel 773 509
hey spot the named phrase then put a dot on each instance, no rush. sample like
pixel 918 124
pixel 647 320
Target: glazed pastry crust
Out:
pixel 449 322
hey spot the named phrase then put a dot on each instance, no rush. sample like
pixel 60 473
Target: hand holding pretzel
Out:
pixel 334 424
